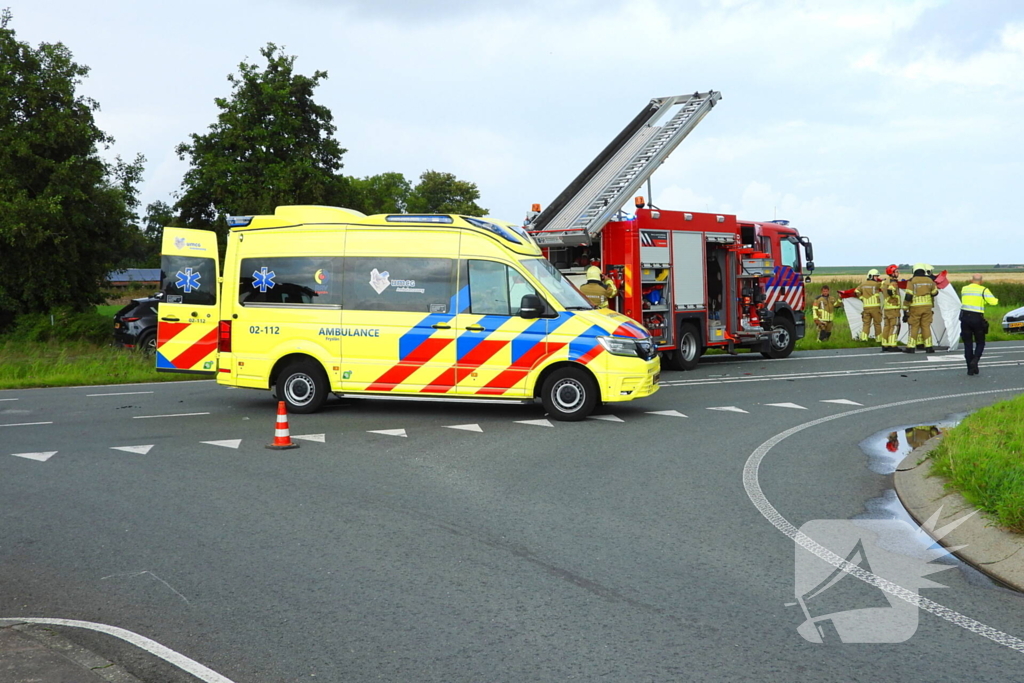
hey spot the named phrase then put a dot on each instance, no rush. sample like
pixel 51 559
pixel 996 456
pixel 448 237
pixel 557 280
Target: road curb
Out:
pixel 51 657
pixel 988 548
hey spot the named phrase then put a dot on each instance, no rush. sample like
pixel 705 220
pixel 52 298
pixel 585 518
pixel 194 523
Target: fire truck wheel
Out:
pixel 303 387
pixel 688 352
pixel 569 394
pixel 782 341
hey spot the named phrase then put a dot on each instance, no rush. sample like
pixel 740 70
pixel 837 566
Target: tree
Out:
pixel 439 192
pixel 65 213
pixel 384 193
pixel 271 145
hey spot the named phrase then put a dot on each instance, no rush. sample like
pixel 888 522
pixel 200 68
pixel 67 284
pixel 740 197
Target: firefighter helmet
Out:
pixel 892 270
pixel 873 272
pixel 919 266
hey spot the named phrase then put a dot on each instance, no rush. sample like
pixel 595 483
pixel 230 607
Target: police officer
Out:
pixel 921 292
pixel 824 313
pixel 870 292
pixel 973 325
pixel 892 304
pixel 598 289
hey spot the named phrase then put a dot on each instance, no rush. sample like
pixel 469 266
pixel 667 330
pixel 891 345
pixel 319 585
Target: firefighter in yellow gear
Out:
pixel 599 290
pixel 920 297
pixel 870 292
pixel 892 305
pixel 824 313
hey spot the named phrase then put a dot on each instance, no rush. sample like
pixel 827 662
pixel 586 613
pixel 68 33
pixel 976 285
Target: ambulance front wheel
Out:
pixel 569 394
pixel 303 387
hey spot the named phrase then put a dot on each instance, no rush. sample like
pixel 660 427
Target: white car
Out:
pixel 1014 321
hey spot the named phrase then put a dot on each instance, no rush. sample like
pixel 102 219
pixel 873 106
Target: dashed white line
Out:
pixel 151 646
pixel 144 417
pixel 8 399
pixel 753 488
pixel 389 432
pixel 794 406
pixel 729 409
pixel 123 393
pixel 226 443
pixel 467 428
pixel 25 424
pixel 141 450
pixel 666 413
pixel 41 457
pixel 535 423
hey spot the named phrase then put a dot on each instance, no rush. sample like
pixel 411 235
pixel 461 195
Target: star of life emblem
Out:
pixel 187 280
pixel 262 280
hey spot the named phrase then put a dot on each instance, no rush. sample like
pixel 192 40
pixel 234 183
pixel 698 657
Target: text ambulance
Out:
pixel 318 299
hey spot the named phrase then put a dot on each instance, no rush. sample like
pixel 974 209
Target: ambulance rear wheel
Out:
pixel 303 387
pixel 783 339
pixel 569 394
pixel 688 351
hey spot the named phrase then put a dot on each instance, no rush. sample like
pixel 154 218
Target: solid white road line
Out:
pixel 753 488
pixel 151 646
pixel 25 424
pixel 123 393
pixel 41 457
pixel 8 399
pixel 143 417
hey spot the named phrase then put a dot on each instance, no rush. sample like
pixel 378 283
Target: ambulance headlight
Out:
pixel 619 346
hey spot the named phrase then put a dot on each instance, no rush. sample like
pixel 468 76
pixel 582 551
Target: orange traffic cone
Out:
pixel 282 438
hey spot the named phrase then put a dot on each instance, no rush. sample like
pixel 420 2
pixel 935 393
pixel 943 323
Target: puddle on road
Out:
pixel 886 449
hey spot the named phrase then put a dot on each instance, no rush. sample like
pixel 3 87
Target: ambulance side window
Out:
pixel 290 281
pixel 396 283
pixel 489 289
pixel 188 280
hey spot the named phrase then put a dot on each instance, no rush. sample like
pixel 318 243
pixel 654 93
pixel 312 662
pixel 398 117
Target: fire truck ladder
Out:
pixel 579 213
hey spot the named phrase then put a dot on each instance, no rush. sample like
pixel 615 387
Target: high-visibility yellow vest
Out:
pixel 922 289
pixel 974 297
pixel 823 309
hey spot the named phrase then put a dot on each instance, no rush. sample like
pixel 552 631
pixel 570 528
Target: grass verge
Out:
pixel 983 458
pixel 29 364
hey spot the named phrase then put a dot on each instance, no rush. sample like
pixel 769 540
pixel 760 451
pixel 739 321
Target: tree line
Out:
pixel 68 217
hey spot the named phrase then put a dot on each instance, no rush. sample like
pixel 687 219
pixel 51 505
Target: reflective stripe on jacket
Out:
pixel 974 297
pixel 870 293
pixel 824 309
pixel 893 298
pixel 922 289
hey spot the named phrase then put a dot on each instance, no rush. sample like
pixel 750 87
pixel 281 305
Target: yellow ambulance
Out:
pixel 317 300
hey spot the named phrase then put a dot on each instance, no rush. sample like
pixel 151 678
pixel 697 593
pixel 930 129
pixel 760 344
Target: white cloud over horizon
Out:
pixel 885 130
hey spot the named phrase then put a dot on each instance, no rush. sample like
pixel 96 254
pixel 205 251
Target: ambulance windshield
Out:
pixel 550 279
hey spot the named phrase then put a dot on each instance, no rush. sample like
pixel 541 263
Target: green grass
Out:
pixel 28 364
pixel 983 459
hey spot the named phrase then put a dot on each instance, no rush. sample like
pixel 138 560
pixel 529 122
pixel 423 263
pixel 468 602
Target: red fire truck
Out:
pixel 694 280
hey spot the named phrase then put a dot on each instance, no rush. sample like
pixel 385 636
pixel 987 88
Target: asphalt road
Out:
pixel 624 549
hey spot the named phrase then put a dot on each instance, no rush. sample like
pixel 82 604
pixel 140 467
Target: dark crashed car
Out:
pixel 135 324
pixel 1014 321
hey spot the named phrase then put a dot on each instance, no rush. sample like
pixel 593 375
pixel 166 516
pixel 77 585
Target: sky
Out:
pixel 884 130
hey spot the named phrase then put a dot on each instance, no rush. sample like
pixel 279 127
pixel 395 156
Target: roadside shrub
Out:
pixel 62 325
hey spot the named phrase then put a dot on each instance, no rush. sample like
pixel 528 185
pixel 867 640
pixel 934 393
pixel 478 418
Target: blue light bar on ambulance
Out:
pixel 418 218
pixel 238 221
pixel 508 233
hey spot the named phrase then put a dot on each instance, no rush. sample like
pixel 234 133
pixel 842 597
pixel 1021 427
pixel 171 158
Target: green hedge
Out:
pixel 62 325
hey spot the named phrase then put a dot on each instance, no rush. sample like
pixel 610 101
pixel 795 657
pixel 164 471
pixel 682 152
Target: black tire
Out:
pixel 147 345
pixel 783 339
pixel 302 386
pixel 569 394
pixel 688 350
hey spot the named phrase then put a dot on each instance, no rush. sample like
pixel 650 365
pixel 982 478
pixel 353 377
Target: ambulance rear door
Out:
pixel 188 314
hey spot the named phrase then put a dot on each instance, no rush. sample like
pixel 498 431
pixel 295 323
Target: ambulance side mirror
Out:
pixel 531 306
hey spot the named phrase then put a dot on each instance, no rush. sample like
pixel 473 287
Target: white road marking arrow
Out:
pixel 606 418
pixel 466 428
pixel 226 443
pixel 536 423
pixel 141 450
pixel 729 409
pixel 667 413
pixel 319 438
pixel 389 432
pixel 841 401
pixel 787 405
pixel 41 457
